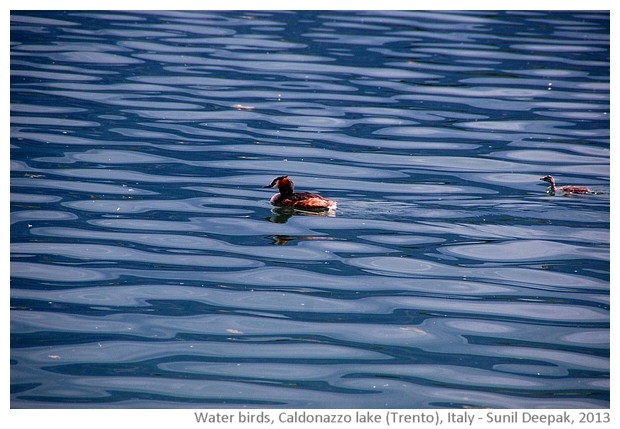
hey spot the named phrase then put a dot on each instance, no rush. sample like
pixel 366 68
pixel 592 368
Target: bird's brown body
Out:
pixel 287 197
pixel 567 189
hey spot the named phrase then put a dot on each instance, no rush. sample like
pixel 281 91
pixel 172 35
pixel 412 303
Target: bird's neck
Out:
pixel 286 189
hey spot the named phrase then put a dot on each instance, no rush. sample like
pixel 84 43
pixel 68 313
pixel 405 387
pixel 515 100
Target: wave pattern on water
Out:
pixel 149 270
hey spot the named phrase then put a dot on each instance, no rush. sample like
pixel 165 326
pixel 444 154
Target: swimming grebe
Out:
pixel 568 189
pixel 287 197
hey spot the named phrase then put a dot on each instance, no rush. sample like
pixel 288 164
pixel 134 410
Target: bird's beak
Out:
pixel 272 184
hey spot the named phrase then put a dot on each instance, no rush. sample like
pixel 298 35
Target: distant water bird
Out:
pixel 287 197
pixel 567 189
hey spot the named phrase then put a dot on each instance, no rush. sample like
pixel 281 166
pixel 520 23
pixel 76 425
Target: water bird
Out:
pixel 287 197
pixel 567 189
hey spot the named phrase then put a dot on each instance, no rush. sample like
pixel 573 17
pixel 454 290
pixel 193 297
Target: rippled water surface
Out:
pixel 148 268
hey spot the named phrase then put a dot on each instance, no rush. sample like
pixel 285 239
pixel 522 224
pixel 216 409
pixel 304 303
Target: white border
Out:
pixel 168 419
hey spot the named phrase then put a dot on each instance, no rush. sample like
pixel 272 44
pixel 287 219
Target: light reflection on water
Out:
pixel 149 270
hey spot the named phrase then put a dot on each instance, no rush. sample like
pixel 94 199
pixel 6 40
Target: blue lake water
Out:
pixel 148 268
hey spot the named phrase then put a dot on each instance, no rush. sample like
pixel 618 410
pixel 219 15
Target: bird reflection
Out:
pixel 283 214
pixel 286 239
